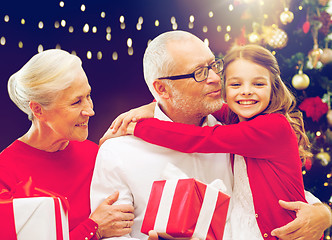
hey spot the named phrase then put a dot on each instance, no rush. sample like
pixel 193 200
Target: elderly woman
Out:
pixel 53 90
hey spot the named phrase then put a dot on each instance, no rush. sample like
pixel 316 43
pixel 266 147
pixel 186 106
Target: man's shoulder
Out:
pixel 122 142
pixel 211 121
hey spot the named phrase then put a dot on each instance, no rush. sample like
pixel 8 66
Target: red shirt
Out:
pixel 269 146
pixel 67 172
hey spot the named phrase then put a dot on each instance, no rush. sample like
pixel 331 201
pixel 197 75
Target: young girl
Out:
pixel 269 135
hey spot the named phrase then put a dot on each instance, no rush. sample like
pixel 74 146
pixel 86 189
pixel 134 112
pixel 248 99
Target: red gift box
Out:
pixel 31 213
pixel 186 208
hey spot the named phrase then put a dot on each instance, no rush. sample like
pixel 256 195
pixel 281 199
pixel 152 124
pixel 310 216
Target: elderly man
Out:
pixel 129 165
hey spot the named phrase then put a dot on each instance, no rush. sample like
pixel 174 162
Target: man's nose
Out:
pixel 213 77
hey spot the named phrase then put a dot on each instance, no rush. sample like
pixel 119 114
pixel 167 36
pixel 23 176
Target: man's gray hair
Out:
pixel 157 60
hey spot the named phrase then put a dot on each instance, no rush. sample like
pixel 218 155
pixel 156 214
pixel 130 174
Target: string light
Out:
pixel 175 26
pixel 83 8
pixel 56 24
pixel 94 29
pixel 40 48
pixel 3 41
pixel 63 23
pixel 140 20
pixel 206 41
pixel 99 55
pixel 40 25
pixel 156 23
pixel 102 14
pixel 86 28
pixel 22 21
pixel 71 29
pixel 230 7
pixel 130 51
pixel 219 28
pixel 108 37
pixel 205 29
pixel 20 44
pixel 211 14
pixel 191 18
pixel 115 56
pixel 129 42
pixel 88 55
pixel 6 18
pixel 61 4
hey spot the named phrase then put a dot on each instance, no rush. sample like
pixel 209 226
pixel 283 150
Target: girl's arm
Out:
pixel 258 138
pixel 122 122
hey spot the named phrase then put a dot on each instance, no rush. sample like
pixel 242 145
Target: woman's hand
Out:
pixel 125 123
pixel 113 220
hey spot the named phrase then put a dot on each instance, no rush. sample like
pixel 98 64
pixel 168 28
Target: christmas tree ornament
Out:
pixel 329 117
pixel 324 157
pixel 326 56
pixel 306 27
pixel 314 55
pixel 286 16
pixel 308 164
pixel 275 37
pixel 300 81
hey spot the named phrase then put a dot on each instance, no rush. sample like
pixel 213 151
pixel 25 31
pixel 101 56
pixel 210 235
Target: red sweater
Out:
pixel 67 172
pixel 269 146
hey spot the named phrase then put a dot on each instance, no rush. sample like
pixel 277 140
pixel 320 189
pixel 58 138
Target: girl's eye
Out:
pixel 234 84
pixel 259 84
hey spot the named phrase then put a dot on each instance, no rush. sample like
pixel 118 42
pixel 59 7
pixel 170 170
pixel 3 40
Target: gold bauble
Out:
pixel 326 56
pixel 324 157
pixel 300 81
pixel 286 16
pixel 314 55
pixel 276 37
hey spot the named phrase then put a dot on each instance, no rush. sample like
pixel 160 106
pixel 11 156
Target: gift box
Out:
pixel 29 213
pixel 186 208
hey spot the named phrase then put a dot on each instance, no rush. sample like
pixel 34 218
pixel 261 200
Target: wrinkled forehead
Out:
pixel 190 53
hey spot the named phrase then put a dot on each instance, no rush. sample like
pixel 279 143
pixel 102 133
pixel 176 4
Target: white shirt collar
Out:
pixel 159 114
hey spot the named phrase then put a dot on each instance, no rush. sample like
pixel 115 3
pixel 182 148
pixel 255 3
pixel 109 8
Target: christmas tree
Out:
pixel 299 34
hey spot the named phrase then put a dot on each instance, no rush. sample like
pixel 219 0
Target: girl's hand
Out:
pixel 121 125
pixel 111 134
pixel 122 121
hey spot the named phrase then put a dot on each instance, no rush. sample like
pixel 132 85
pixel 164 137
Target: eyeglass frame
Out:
pixel 192 75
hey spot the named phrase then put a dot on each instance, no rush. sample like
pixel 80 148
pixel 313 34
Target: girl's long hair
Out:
pixel 282 100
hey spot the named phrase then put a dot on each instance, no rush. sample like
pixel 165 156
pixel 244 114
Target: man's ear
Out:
pixel 37 110
pixel 161 88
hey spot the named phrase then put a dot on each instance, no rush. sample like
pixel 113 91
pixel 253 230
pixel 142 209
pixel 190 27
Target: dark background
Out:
pixel 117 86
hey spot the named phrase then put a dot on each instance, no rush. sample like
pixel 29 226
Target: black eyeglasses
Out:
pixel 200 74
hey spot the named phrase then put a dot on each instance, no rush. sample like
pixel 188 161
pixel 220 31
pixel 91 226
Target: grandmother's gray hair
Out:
pixel 42 78
pixel 157 60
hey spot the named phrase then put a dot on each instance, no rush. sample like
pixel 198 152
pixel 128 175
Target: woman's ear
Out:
pixel 161 88
pixel 37 110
